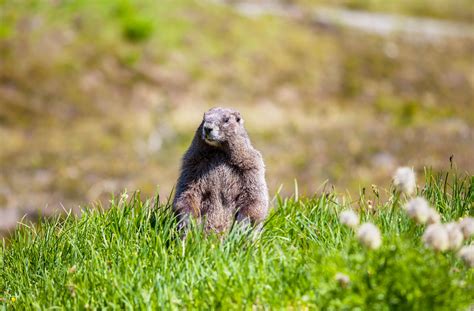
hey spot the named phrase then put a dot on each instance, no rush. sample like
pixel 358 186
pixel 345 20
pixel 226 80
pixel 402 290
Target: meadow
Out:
pixel 97 97
pixel 130 256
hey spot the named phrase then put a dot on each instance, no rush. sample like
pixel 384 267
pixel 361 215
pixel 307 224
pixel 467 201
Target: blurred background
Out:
pixel 100 96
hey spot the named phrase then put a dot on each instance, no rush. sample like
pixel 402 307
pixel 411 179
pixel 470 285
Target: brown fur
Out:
pixel 222 175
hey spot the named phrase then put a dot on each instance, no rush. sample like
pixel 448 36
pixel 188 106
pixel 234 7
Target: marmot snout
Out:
pixel 222 176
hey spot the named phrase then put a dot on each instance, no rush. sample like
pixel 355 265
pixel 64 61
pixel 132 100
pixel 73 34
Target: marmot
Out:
pixel 222 176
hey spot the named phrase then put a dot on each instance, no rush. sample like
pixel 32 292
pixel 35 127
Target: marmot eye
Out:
pixel 226 119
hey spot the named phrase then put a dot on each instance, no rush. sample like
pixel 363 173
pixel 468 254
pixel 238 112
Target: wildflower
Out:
pixel 13 299
pixel 375 190
pixel 433 217
pixel 404 180
pixel 418 209
pixel 349 218
pixel 370 205
pixel 467 227
pixel 369 236
pixel 342 279
pixel 123 197
pixel 436 237
pixel 467 255
pixel 72 290
pixel 454 234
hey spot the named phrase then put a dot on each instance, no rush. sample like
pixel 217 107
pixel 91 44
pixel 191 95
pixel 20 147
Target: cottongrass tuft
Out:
pixel 349 218
pixel 455 235
pixel 436 237
pixel 419 210
pixel 433 217
pixel 467 255
pixel 467 227
pixel 369 236
pixel 342 279
pixel 404 180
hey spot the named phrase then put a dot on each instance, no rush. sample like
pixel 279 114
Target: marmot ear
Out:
pixel 238 117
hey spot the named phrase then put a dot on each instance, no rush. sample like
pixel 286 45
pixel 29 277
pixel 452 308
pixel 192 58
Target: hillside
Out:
pixel 99 96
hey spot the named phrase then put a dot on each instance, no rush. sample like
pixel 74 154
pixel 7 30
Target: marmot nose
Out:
pixel 207 130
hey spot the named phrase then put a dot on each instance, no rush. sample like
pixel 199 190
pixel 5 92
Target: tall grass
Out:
pixel 129 256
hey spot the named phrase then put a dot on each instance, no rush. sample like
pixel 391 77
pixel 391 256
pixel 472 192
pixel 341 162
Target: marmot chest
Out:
pixel 223 175
pixel 222 182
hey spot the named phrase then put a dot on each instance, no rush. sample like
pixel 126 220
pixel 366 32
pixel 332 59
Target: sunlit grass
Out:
pixel 130 256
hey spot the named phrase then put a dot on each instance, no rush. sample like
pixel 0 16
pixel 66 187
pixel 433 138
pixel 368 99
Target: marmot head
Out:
pixel 221 124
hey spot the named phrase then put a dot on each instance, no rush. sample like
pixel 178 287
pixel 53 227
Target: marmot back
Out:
pixel 222 176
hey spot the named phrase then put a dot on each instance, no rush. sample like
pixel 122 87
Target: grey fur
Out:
pixel 222 175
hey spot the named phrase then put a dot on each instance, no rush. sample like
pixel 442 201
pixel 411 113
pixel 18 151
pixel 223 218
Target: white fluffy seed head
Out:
pixel 433 217
pixel 467 255
pixel 467 227
pixel 342 279
pixel 436 237
pixel 349 218
pixel 404 180
pixel 455 235
pixel 369 236
pixel 418 209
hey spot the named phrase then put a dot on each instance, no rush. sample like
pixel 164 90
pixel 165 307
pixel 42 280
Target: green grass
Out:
pixel 129 256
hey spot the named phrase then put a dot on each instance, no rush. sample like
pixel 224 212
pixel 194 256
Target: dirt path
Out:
pixel 414 28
